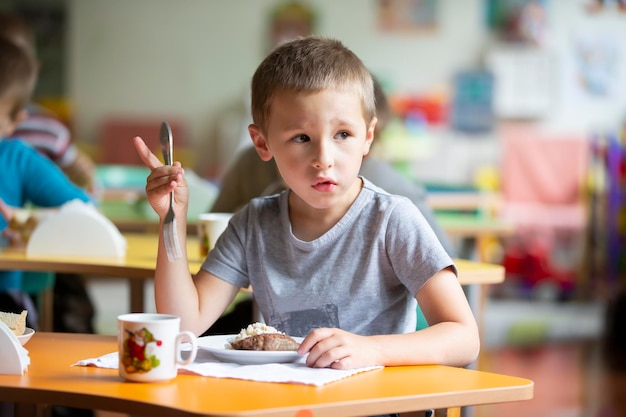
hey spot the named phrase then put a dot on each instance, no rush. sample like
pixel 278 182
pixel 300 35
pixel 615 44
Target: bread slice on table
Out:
pixel 15 322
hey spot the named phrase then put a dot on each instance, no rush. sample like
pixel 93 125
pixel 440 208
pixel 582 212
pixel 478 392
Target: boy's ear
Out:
pixel 17 120
pixel 369 136
pixel 259 142
pixel 21 116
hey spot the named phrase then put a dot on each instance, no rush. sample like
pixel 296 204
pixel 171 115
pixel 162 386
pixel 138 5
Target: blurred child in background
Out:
pixel 38 127
pixel 41 128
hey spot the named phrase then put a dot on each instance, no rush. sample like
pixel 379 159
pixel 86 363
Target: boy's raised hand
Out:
pixel 163 179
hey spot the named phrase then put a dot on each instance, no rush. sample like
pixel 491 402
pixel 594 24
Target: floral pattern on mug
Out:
pixel 139 351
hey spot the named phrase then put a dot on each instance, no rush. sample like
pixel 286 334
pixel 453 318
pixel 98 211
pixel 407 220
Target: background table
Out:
pixel 52 380
pixel 140 261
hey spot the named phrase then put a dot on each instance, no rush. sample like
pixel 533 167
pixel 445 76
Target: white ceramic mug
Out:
pixel 210 227
pixel 149 346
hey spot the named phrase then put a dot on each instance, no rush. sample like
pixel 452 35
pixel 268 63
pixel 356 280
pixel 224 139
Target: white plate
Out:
pixel 215 345
pixel 28 333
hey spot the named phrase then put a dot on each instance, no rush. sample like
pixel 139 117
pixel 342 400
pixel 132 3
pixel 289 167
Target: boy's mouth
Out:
pixel 324 184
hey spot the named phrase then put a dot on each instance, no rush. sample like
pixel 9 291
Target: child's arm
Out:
pixel 200 300
pixel 451 338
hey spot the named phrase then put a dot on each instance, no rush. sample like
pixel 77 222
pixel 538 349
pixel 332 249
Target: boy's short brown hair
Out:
pixel 18 74
pixel 310 64
pixel 18 30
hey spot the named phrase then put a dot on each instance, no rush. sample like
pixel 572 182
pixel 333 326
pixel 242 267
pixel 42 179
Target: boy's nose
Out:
pixel 323 155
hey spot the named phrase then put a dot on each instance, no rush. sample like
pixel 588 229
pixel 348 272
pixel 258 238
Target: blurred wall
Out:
pixel 194 58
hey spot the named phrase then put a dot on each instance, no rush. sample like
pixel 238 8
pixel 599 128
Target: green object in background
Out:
pixel 421 320
pixel 122 176
pixel 125 210
pixel 202 193
pixel 37 282
pixel 528 333
pixel 462 219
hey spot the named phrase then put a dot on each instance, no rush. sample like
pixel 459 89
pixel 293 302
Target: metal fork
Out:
pixel 170 235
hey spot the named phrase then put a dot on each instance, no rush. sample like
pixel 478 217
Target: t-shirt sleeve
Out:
pixel 48 136
pixel 45 185
pixel 413 248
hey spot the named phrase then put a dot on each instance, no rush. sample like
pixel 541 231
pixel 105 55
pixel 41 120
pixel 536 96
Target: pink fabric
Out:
pixel 543 180
pixel 541 216
pixel 544 170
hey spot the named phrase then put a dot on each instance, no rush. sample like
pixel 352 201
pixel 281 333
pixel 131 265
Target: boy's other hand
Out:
pixel 18 230
pixel 338 349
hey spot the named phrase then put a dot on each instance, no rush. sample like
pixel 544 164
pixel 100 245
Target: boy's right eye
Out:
pixel 301 138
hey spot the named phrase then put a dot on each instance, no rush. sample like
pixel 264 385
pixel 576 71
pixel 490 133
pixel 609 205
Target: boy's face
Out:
pixel 318 141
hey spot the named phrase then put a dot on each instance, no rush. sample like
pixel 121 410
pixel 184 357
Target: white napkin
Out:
pixel 206 365
pixel 14 359
pixel 76 229
pixel 110 360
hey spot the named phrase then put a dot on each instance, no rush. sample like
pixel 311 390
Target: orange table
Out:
pixel 51 380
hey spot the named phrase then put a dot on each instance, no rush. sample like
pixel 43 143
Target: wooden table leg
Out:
pixel 46 309
pixel 454 412
pixel 31 410
pixel 136 295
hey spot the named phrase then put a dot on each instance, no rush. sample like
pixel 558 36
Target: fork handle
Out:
pixel 167 155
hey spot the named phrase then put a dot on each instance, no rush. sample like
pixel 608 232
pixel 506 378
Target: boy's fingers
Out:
pixel 5 211
pixel 148 158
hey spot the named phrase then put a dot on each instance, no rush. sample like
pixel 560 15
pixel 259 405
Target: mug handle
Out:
pixel 194 347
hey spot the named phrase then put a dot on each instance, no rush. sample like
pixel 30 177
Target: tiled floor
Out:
pixel 555 345
pixel 571 380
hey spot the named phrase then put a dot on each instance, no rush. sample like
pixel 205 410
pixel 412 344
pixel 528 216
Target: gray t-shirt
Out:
pixel 360 276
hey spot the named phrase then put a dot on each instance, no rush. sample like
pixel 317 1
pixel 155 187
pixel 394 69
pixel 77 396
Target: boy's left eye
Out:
pixel 342 135
pixel 300 138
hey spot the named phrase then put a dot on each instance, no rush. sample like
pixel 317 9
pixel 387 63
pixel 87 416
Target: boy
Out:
pixel 332 258
pixel 28 177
